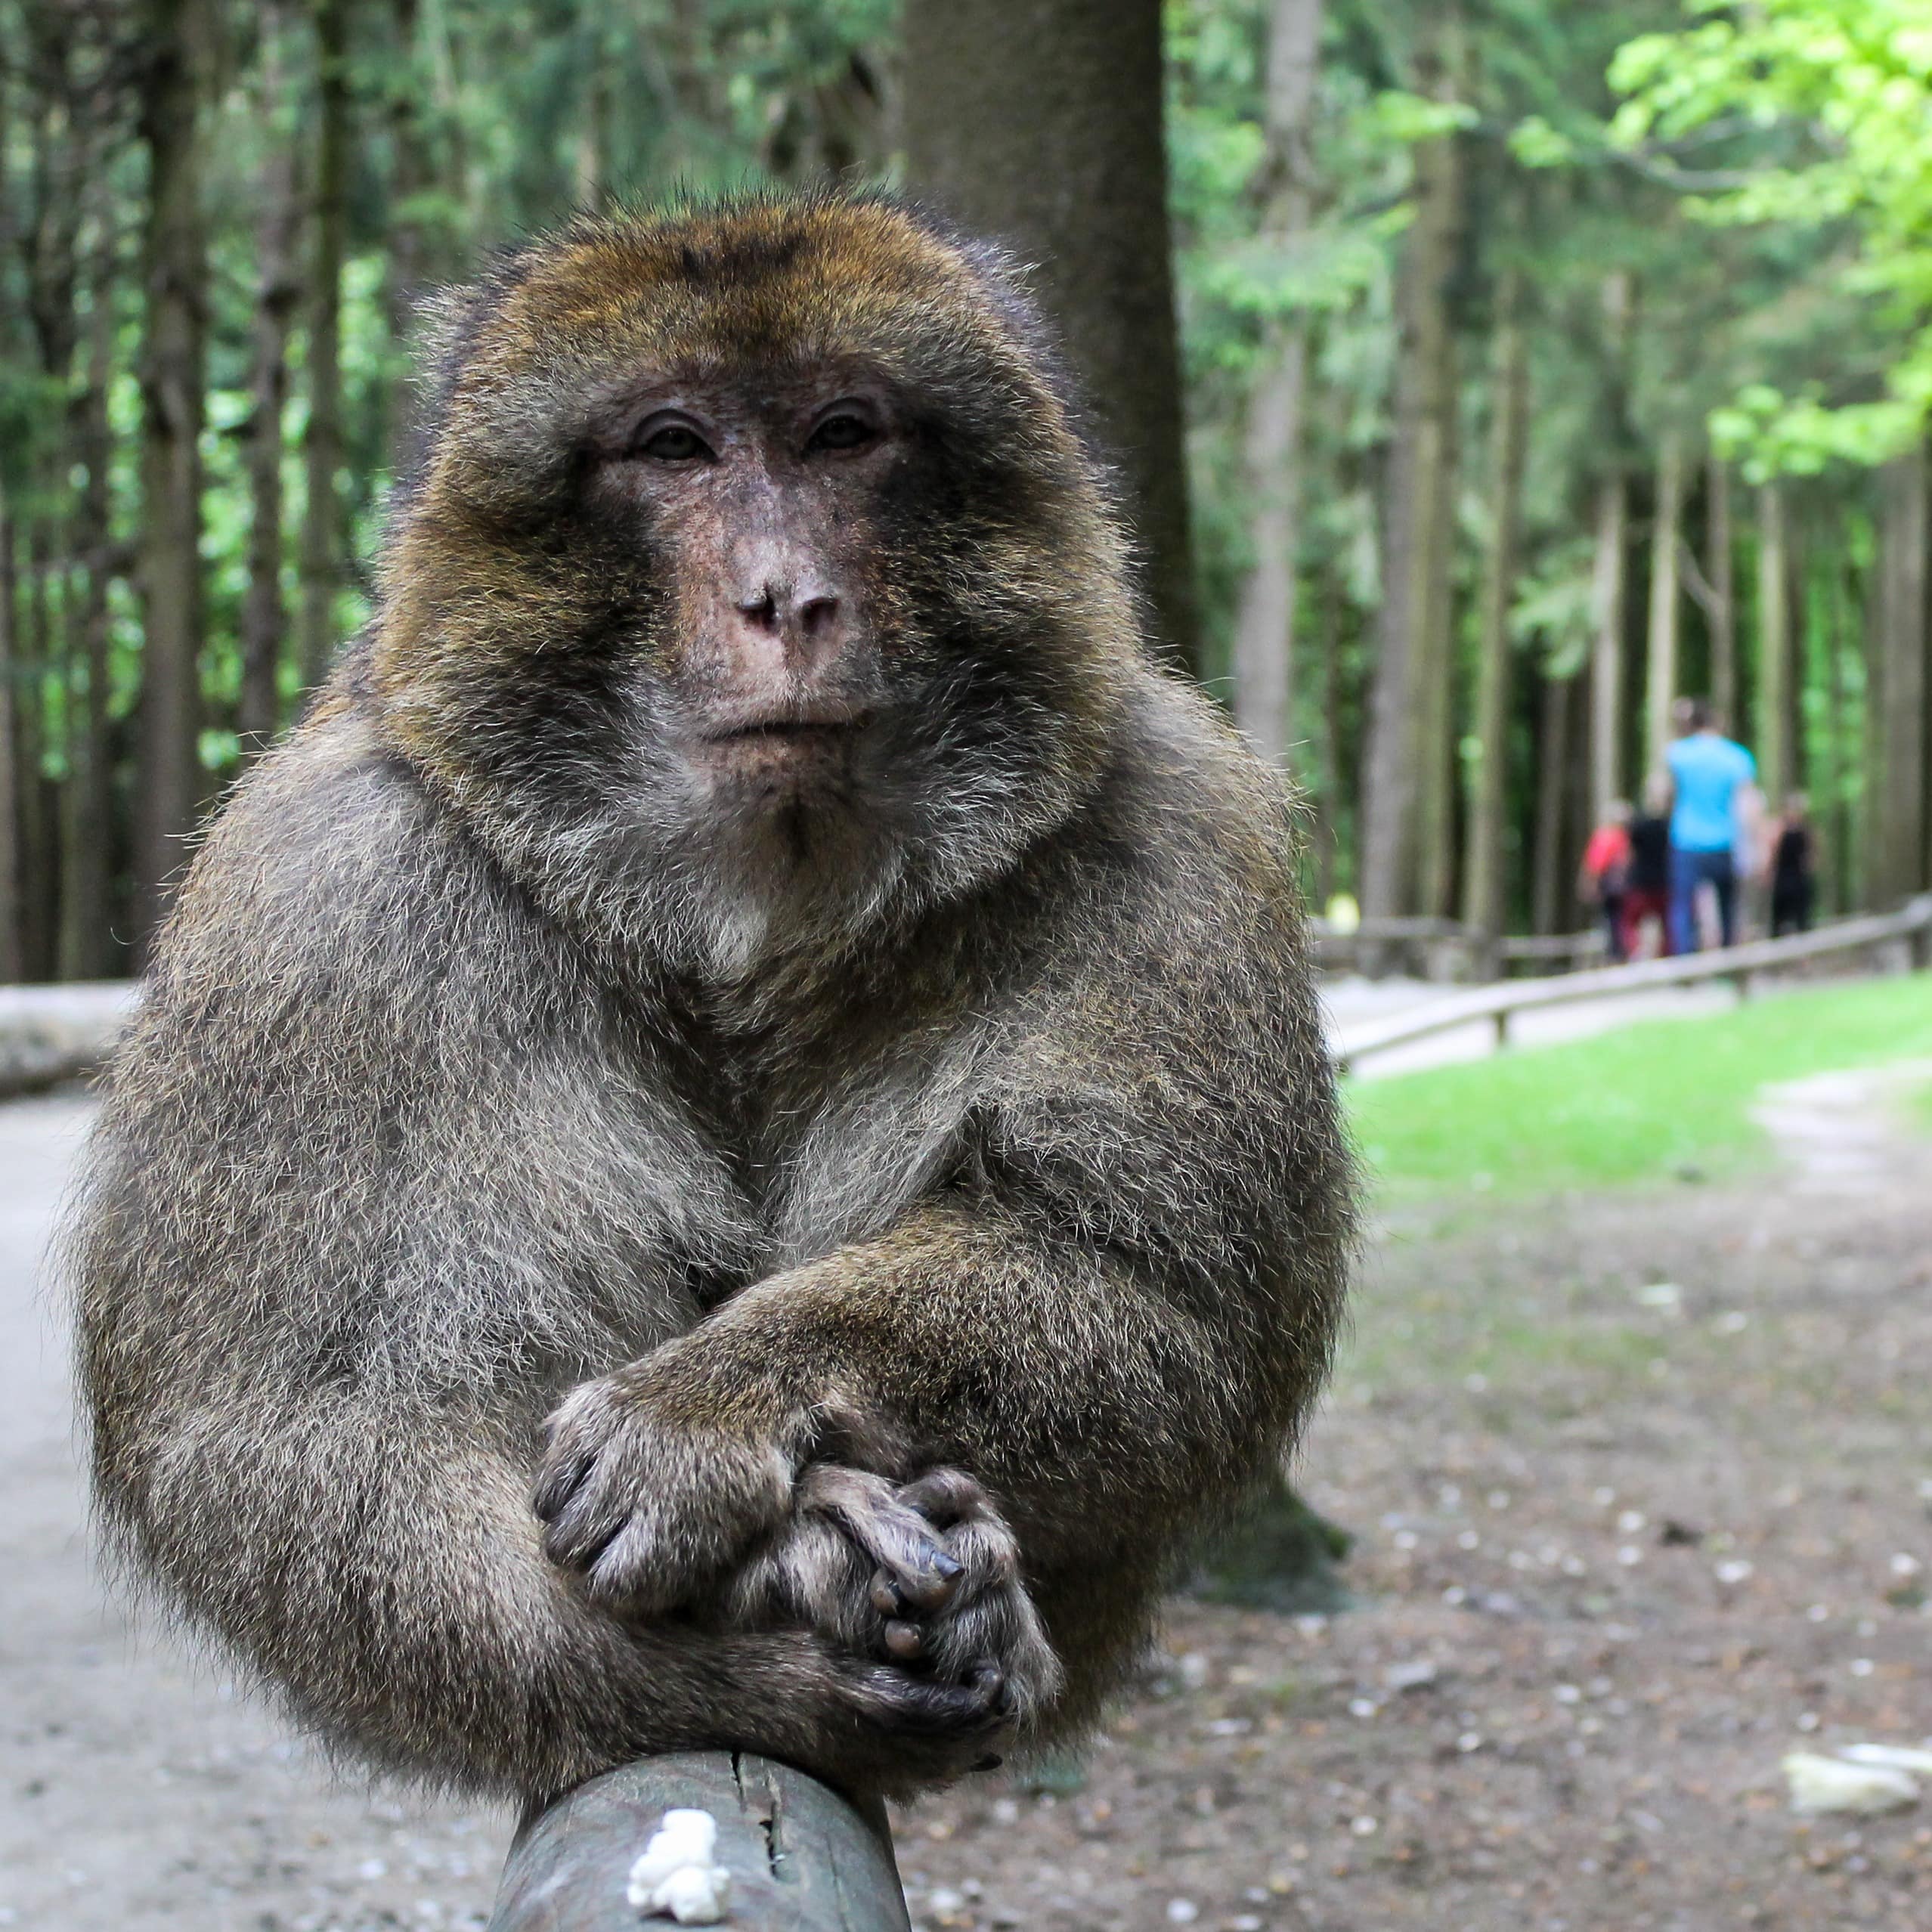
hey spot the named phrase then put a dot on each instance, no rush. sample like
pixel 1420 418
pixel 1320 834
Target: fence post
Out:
pixel 802 1859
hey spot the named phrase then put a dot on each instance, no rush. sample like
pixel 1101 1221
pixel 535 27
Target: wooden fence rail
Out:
pixel 801 1858
pixel 1499 1004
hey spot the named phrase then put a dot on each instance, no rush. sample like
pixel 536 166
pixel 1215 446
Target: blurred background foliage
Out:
pixel 1541 362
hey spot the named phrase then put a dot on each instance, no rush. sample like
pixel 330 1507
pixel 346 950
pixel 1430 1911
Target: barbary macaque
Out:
pixel 729 1145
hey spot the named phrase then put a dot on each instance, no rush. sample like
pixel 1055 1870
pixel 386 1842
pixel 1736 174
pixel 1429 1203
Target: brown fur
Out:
pixel 967 1113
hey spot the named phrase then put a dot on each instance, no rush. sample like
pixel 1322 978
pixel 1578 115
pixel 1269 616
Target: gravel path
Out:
pixel 1642 1484
pixel 143 1792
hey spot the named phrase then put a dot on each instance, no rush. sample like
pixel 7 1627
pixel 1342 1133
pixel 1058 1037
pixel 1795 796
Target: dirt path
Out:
pixel 1643 1488
pixel 1639 1485
pixel 142 1790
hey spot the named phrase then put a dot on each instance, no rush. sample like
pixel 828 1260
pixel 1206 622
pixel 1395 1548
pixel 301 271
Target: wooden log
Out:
pixel 801 1858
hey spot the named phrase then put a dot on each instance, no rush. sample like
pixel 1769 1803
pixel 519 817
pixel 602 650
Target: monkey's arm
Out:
pixel 1112 1312
pixel 362 1199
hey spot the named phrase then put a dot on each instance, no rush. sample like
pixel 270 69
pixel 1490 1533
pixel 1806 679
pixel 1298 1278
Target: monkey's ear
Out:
pixel 442 322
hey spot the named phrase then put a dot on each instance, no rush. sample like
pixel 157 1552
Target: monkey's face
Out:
pixel 769 671
pixel 757 582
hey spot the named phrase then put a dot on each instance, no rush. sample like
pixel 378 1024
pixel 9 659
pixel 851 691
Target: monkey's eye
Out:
pixel 672 442
pixel 843 430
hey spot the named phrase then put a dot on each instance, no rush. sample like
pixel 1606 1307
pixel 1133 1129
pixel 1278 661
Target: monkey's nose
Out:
pixel 805 621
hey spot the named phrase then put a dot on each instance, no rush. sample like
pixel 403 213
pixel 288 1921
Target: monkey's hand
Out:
pixel 924 1575
pixel 651 1492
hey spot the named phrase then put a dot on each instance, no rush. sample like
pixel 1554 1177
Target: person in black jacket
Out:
pixel 1647 883
pixel 1794 868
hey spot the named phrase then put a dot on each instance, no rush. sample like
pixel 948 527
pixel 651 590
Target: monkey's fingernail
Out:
pixel 989 1764
pixel 904 1641
pixel 887 1598
pixel 946 1566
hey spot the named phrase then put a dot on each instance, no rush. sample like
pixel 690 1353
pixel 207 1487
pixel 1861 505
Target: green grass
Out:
pixel 1633 1105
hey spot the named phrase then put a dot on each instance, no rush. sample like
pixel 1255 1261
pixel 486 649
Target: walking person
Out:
pixel 1606 864
pixel 1647 884
pixel 1794 868
pixel 1714 784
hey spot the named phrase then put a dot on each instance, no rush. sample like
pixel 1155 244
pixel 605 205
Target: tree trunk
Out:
pixel 1774 646
pixel 1609 590
pixel 1898 861
pixel 415 255
pixel 322 524
pixel 1609 579
pixel 1040 122
pixel 12 900
pixel 1718 573
pixel 264 619
pixel 1667 534
pixel 1800 627
pixel 87 949
pixel 1264 627
pixel 1845 637
pixel 1549 865
pixel 39 809
pixel 1404 813
pixel 178 43
pixel 1328 822
pixel 1484 888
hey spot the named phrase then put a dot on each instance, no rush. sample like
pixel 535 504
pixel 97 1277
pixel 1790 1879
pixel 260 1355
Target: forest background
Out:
pixel 1536 362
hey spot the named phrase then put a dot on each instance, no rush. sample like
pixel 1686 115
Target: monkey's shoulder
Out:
pixel 1189 848
pixel 336 897
pixel 1164 929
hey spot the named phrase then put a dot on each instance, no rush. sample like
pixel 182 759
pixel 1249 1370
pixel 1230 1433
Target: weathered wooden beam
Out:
pixel 801 1857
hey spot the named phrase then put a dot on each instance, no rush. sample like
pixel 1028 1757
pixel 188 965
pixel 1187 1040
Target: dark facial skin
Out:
pixel 761 502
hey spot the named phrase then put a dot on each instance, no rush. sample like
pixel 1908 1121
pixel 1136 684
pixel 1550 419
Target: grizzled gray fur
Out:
pixel 729 1145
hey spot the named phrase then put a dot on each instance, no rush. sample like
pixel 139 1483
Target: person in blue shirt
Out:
pixel 1715 783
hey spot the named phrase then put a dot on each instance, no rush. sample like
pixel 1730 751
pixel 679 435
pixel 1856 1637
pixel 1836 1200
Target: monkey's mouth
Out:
pixel 790 730
pixel 789 746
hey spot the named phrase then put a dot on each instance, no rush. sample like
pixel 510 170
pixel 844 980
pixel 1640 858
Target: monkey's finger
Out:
pixel 988 1681
pixel 584 1528
pixel 924 1706
pixel 557 1482
pixel 903 1642
pixel 946 1497
pixel 986 1553
pixel 897 1539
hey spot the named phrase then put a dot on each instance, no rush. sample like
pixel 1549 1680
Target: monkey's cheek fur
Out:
pixel 649 1511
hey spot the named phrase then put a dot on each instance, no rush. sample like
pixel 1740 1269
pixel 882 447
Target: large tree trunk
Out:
pixel 322 524
pixel 1041 121
pixel 1898 858
pixel 12 900
pixel 416 247
pixel 1609 581
pixel 1484 888
pixel 1720 574
pixel 88 948
pixel 178 45
pixel 1329 740
pixel 1667 536
pixel 1264 627
pixel 278 294
pixel 1549 862
pixel 34 717
pixel 1609 590
pixel 1774 646
pixel 1404 813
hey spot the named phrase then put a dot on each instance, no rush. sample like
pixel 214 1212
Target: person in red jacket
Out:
pixel 1606 865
